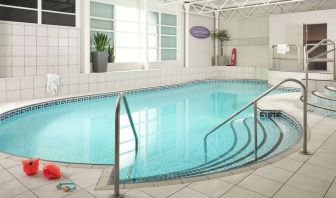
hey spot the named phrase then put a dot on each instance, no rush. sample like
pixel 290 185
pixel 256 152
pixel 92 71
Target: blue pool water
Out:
pixel 170 123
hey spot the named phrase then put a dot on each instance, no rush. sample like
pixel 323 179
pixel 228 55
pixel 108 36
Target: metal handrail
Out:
pixel 255 111
pixel 308 60
pixel 121 98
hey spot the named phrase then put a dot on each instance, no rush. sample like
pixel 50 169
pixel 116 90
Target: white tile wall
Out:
pixel 26 88
pixel 28 50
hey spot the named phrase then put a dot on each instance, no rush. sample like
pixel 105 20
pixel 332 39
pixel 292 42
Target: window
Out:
pixel 127 35
pixel 101 20
pixel 127 29
pixel 162 36
pixel 53 12
pixel 59 12
pixel 20 10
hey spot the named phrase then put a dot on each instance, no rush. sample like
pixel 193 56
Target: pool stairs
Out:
pixel 324 103
pixel 271 141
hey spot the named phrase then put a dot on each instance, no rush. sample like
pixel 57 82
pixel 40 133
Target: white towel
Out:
pixel 282 48
pixel 52 83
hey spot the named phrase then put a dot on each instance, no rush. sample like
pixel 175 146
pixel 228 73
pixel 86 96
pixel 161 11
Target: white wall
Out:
pixel 250 37
pixel 201 51
pixel 33 50
pixel 288 28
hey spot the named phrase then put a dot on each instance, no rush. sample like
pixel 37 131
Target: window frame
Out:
pixel 159 35
pixel 39 11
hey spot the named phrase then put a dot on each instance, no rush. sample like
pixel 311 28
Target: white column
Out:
pixel 186 34
pixel 145 16
pixel 84 17
pixel 216 14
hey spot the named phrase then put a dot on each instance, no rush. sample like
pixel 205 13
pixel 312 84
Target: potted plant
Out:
pixel 111 56
pixel 221 36
pixel 100 56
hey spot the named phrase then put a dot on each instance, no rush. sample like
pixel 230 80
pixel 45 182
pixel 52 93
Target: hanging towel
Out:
pixel 282 48
pixel 52 83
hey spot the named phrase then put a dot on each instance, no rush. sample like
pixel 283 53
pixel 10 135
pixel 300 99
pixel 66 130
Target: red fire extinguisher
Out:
pixel 233 57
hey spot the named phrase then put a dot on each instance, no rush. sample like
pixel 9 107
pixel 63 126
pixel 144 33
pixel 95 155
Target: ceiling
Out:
pixel 232 9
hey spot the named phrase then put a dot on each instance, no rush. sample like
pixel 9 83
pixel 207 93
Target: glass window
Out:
pixel 59 5
pixel 153 18
pixel 168 19
pixel 162 38
pixel 168 54
pixel 153 29
pixel 168 42
pixel 168 30
pixel 127 40
pixel 58 19
pixel 127 26
pixel 101 24
pixel 20 3
pixel 127 14
pixel 127 55
pixel 153 55
pixel 101 10
pixel 153 41
pixel 20 15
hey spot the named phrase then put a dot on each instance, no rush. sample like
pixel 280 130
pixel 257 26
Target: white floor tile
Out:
pixel 308 183
pixel 163 191
pixel 212 188
pixel 260 185
pixel 239 192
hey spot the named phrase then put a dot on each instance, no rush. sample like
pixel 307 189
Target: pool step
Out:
pixel 323 100
pixel 330 91
pixel 323 103
pixel 241 153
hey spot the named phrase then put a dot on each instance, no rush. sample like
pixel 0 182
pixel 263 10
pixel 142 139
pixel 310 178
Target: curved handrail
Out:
pixel 255 113
pixel 308 60
pixel 319 44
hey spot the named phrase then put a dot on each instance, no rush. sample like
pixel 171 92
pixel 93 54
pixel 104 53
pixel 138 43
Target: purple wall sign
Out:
pixel 200 32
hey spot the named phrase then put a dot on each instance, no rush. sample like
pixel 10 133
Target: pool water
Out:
pixel 170 123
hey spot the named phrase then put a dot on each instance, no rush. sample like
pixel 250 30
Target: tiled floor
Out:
pixel 295 176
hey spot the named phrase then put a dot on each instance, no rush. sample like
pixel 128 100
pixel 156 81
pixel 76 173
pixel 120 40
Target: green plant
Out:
pixel 100 41
pixel 221 36
pixel 110 50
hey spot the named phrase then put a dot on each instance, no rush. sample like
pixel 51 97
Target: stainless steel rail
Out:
pixel 255 112
pixel 274 58
pixel 121 98
pixel 308 60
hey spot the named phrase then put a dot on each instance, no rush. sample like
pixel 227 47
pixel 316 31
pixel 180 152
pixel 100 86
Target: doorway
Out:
pixel 312 34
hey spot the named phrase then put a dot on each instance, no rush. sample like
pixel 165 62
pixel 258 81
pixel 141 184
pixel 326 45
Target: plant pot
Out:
pixel 99 61
pixel 111 59
pixel 221 60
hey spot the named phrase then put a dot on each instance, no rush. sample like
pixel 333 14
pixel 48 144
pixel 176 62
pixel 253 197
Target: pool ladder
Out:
pixel 122 98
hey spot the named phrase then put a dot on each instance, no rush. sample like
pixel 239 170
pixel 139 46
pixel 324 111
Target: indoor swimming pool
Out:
pixel 171 123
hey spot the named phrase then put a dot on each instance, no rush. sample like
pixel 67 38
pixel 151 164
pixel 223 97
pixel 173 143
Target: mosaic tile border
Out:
pixel 330 92
pixel 15 112
pixel 321 110
pixel 323 101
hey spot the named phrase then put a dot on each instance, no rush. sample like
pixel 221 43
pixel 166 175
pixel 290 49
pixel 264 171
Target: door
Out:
pixel 312 34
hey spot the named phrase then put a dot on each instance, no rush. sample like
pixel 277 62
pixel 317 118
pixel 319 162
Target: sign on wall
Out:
pixel 200 32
